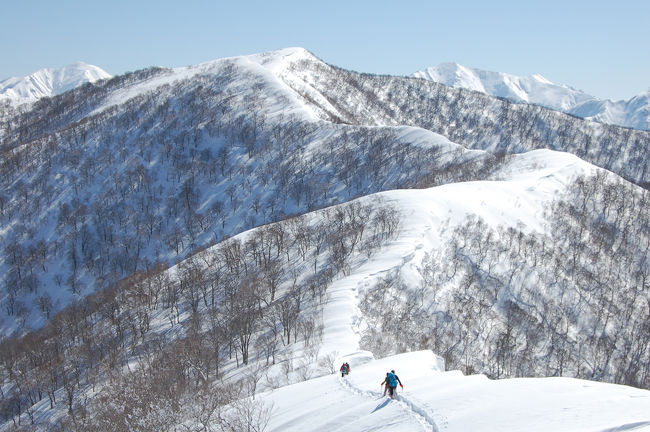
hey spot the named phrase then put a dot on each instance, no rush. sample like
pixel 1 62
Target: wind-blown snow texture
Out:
pixel 536 89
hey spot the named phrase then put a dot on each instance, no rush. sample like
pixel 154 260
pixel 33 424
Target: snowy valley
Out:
pixel 201 248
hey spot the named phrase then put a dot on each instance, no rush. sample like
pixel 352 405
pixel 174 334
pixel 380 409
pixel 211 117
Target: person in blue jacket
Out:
pixel 390 383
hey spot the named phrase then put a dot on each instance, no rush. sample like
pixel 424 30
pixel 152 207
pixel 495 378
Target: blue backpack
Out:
pixel 392 381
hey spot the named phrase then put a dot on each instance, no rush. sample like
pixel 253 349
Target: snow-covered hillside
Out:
pixel 180 239
pixel 231 144
pixel 49 82
pixel 535 89
pixel 286 399
pixel 438 401
pixel 434 399
pixel 264 154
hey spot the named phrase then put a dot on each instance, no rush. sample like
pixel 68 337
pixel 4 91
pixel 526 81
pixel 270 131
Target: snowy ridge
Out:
pixel 434 400
pixel 267 66
pixel 49 82
pixel 634 113
pixel 529 89
pixel 536 89
pixel 411 408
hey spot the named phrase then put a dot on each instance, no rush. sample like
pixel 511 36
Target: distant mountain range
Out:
pixel 535 89
pixel 49 82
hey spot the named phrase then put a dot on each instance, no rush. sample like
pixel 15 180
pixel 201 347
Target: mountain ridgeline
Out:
pixel 535 89
pixel 476 120
pixel 190 221
pixel 97 187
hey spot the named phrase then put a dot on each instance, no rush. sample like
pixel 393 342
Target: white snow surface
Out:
pixel 435 400
pixel 536 89
pixel 49 82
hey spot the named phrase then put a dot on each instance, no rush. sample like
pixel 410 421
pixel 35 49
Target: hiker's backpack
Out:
pixel 392 381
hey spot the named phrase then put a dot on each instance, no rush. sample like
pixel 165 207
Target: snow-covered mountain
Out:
pixel 299 388
pixel 181 240
pixel 536 89
pixel 49 82
pixel 634 113
pixel 529 89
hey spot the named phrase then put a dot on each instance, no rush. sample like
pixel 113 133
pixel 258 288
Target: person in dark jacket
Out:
pixel 345 369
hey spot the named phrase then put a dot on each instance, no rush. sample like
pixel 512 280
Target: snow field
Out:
pixel 433 400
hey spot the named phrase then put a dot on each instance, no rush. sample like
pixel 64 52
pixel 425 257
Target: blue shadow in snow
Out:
pixel 381 405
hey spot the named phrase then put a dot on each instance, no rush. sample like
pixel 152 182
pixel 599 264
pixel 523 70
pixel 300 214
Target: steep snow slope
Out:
pixel 535 89
pixel 49 82
pixel 434 400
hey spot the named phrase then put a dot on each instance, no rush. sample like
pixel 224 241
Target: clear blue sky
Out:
pixel 601 47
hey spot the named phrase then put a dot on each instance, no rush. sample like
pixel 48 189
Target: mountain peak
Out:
pixel 541 79
pixel 281 56
pixel 453 75
pixel 529 89
pixel 49 82
pixel 536 89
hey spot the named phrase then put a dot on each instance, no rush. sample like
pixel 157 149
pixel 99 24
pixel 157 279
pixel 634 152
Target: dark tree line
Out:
pixel 574 302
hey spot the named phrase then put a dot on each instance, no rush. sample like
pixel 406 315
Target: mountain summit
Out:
pixel 529 89
pixel 49 82
pixel 535 89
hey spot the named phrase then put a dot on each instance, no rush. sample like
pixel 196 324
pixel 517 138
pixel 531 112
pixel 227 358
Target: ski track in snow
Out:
pixel 421 415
